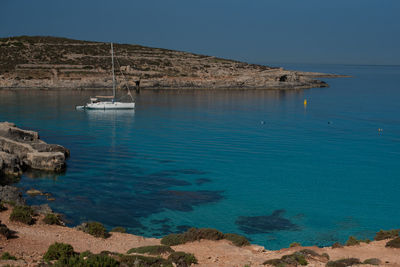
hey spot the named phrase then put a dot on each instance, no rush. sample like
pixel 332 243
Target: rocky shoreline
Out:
pixel 51 63
pixel 21 150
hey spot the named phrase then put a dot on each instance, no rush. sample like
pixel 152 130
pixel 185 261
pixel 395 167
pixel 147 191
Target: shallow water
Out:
pixel 256 163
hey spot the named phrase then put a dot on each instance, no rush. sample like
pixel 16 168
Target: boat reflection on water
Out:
pixel 110 114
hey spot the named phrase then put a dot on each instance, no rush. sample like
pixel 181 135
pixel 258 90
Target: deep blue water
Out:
pixel 256 163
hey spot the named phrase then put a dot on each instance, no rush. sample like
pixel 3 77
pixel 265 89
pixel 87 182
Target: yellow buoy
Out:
pixel 305 102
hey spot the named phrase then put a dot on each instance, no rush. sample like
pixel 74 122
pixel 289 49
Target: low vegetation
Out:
pixel 5 232
pixel 372 261
pixel 143 261
pixel 8 256
pixel 337 245
pixel 196 234
pixel 59 250
pixel 309 252
pixel 2 207
pixel 118 230
pixel 352 241
pixel 325 255
pixel 343 262
pixel 394 243
pixel 52 219
pixel 95 229
pixel 22 214
pixel 237 240
pixel 152 250
pixel 182 258
pixel 87 260
pixel 386 234
pixel 294 244
pixel 63 255
pixel 294 259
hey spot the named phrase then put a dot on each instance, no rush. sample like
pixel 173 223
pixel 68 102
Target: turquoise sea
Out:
pixel 256 163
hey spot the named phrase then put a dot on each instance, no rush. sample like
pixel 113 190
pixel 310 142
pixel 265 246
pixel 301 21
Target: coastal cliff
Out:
pixel 60 63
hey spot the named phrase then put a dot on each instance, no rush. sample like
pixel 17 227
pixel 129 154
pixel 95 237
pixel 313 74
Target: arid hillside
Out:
pixel 51 62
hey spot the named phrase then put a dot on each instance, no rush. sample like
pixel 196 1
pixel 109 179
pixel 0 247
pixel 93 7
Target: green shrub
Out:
pixel 367 240
pixel 4 231
pixel 118 230
pixel 382 234
pixel 152 250
pixel 182 258
pixel 352 241
pixel 2 207
pixel 294 244
pixel 326 255
pixel 59 250
pixel 95 229
pixel 172 239
pixel 395 243
pixel 52 219
pixel 139 260
pixel 343 262
pixel 237 240
pixel 292 259
pixel 274 262
pixel 87 260
pixel 8 256
pixel 11 203
pixel 372 261
pixel 22 214
pixel 309 252
pixel 337 245
pixel 196 234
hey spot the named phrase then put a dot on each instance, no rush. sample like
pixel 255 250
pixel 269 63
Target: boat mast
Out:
pixel 113 75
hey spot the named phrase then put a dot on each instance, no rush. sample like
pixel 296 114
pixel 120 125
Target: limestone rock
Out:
pixel 46 161
pixel 11 194
pixel 22 149
pixel 42 209
pixel 9 165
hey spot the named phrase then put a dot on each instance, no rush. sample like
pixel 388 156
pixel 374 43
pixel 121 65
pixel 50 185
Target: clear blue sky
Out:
pixel 260 31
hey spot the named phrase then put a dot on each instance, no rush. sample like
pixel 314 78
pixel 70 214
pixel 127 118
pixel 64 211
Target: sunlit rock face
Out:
pixel 22 149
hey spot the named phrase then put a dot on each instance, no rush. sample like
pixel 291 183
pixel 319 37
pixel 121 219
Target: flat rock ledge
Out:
pixel 22 149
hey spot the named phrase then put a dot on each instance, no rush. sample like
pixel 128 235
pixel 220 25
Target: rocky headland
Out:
pixel 37 62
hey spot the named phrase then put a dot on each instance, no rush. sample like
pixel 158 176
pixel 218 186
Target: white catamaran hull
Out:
pixel 110 105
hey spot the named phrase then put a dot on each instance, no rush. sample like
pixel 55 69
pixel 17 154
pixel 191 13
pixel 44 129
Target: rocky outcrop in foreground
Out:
pixel 21 149
pixel 48 62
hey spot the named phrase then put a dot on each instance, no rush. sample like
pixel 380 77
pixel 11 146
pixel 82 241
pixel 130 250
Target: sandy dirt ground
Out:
pixel 31 243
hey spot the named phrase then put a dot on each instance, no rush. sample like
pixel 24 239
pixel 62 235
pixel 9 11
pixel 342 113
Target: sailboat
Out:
pixel 109 102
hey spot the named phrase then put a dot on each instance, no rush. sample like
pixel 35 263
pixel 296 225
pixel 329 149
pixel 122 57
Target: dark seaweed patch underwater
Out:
pixel 266 223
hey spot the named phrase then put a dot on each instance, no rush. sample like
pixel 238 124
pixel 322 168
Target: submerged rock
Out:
pixel 22 149
pixel 34 192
